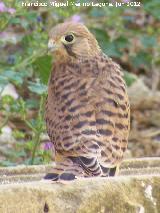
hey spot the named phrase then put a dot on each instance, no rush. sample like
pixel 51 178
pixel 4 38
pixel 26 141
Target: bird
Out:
pixel 87 110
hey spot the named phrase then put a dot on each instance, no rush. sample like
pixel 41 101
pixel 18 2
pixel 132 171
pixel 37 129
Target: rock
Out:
pixel 141 97
pixel 136 189
pixel 144 137
pixel 10 90
pixel 6 141
pixel 6 135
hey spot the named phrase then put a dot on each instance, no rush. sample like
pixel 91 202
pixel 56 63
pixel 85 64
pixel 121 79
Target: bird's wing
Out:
pixel 112 113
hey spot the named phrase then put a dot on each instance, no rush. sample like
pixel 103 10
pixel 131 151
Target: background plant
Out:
pixel 129 35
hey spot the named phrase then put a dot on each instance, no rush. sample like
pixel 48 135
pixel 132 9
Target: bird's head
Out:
pixel 72 41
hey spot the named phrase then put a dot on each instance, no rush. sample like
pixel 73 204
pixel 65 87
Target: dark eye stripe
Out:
pixel 68 48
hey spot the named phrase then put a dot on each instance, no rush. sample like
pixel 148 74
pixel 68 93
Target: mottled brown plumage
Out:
pixel 87 109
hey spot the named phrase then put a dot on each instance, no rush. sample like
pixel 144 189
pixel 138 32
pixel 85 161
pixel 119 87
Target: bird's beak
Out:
pixel 52 45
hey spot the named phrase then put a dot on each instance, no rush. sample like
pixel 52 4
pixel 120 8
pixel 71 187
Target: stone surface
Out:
pixel 136 189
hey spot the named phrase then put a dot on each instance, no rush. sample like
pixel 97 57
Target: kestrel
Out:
pixel 87 108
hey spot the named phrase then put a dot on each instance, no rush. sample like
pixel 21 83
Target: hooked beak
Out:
pixel 52 45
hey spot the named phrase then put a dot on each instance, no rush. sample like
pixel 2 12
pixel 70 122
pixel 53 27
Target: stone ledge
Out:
pixel 112 195
pixel 135 190
pixel 137 166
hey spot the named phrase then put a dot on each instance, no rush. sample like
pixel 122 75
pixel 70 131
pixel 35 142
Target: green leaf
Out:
pixel 111 50
pixel 13 76
pixel 42 66
pixel 38 160
pixel 7 99
pixel 21 154
pixel 101 35
pixel 7 163
pixel 3 81
pixel 148 41
pixel 107 46
pixel 129 78
pixel 121 42
pixel 115 47
pixel 27 39
pixel 37 88
pixel 32 104
pixel 31 16
pixel 141 59
pixel 96 12
pixel 15 21
pixel 29 145
pixel 24 24
pixel 153 8
pixel 18 135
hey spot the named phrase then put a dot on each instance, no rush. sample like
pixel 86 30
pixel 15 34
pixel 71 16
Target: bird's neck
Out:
pixel 63 59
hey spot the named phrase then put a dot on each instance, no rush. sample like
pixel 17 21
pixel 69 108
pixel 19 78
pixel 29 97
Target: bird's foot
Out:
pixel 63 178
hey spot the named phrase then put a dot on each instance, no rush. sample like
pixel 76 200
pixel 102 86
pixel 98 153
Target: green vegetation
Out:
pixel 131 35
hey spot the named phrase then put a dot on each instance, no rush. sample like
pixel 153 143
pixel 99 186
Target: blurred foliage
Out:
pixel 131 35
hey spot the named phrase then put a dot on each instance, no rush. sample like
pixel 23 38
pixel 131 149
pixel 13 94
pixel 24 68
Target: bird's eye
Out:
pixel 69 38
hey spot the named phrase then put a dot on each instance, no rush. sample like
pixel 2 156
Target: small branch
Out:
pixel 30 59
pixel 37 141
pixel 4 122
pixel 39 130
